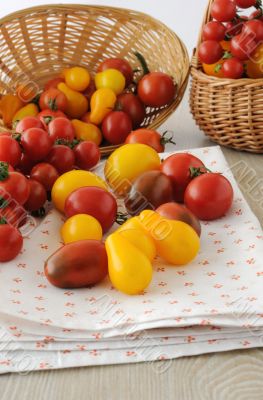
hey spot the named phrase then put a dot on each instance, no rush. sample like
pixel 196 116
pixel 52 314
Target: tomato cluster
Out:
pixel 231 43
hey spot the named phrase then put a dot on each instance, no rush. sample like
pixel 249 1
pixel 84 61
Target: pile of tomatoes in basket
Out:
pixel 231 42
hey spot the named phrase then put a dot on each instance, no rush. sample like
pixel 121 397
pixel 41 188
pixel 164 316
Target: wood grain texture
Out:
pixel 233 375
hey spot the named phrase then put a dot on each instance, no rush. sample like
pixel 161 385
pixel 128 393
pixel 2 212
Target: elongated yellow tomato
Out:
pixel 77 78
pixel 77 102
pixel 70 181
pixel 131 223
pixel 112 79
pixel 142 240
pixel 30 110
pixel 128 162
pixel 81 227
pixel 130 270
pixel 102 103
pixel 87 131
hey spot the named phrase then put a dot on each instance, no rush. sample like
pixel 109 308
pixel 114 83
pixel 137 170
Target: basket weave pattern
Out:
pixel 229 111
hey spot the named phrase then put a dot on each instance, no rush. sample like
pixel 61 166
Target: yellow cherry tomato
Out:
pixel 216 69
pixel 254 66
pixel 130 270
pixel 30 110
pixel 81 227
pixel 71 181
pixel 112 79
pixel 77 78
pixel 102 103
pixel 87 131
pixel 142 240
pixel 77 102
pixel 128 162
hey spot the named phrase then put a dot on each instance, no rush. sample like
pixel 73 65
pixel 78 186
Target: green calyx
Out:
pixel 4 173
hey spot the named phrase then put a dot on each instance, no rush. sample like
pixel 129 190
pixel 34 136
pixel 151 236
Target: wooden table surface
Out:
pixel 233 375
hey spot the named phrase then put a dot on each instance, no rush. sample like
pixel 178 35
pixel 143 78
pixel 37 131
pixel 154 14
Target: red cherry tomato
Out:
pixel 11 242
pixel 25 165
pixel 149 137
pixel 27 123
pixel 242 46
pixel 13 186
pixel 118 63
pixel 156 89
pixel 254 29
pixel 235 27
pixel 93 201
pixel 10 150
pixel 46 174
pixel 209 196
pixel 210 52
pixel 53 83
pixel 245 3
pixel 233 68
pixel 178 168
pixel 36 143
pixel 53 99
pixel 90 90
pixel 223 10
pixel 14 214
pixel 62 158
pixel 87 155
pixel 46 116
pixel 116 126
pixel 37 196
pixel 214 30
pixel 133 106
pixel 61 128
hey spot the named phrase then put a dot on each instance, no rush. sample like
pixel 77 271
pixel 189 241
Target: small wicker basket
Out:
pixel 37 43
pixel 229 111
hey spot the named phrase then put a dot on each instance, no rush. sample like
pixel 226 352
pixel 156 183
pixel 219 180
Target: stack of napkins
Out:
pixel 213 304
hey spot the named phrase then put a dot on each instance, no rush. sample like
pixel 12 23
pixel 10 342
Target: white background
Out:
pixel 184 17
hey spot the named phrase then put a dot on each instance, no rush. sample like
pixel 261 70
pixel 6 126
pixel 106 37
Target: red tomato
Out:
pixel 87 155
pixel 209 196
pixel 46 116
pixel 256 14
pixel 214 30
pixel 13 186
pixel 93 201
pixel 235 27
pixel 150 138
pixel 53 99
pixel 242 46
pixel 61 128
pixel 179 212
pixel 116 126
pixel 36 143
pixel 14 214
pixel 254 29
pixel 118 63
pixel 11 242
pixel 233 68
pixel 6 134
pixel 53 83
pixel 62 158
pixel 78 264
pixel 210 52
pixel 133 106
pixel 25 165
pixel 46 174
pixel 223 10
pixel 156 89
pixel 37 196
pixel 178 168
pixel 27 123
pixel 10 150
pixel 245 3
pixel 90 90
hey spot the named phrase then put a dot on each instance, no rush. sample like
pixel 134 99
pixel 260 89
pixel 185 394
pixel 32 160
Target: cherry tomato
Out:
pixel 61 128
pixel 14 214
pixel 148 192
pixel 27 123
pixel 156 89
pixel 37 196
pixel 254 29
pixel 46 174
pixel 11 242
pixel 13 186
pixel 245 3
pixel 53 99
pixel 81 227
pixel 209 196
pixel 179 212
pixel 233 68
pixel 78 264
pixel 116 126
pixel 95 202
pixel 120 64
pixel 223 10
pixel 36 143
pixel 87 155
pixel 214 30
pixel 46 116
pixel 150 138
pixel 178 168
pixel 10 151
pixel 242 46
pixel 133 106
pixel 25 165
pixel 53 83
pixel 62 158
pixel 210 52
pixel 235 27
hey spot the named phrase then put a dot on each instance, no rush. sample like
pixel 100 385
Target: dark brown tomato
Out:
pixel 133 106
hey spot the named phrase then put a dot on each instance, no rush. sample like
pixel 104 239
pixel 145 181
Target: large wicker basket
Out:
pixel 229 111
pixel 37 43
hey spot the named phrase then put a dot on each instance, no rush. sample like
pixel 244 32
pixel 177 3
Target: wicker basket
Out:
pixel 229 111
pixel 37 43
